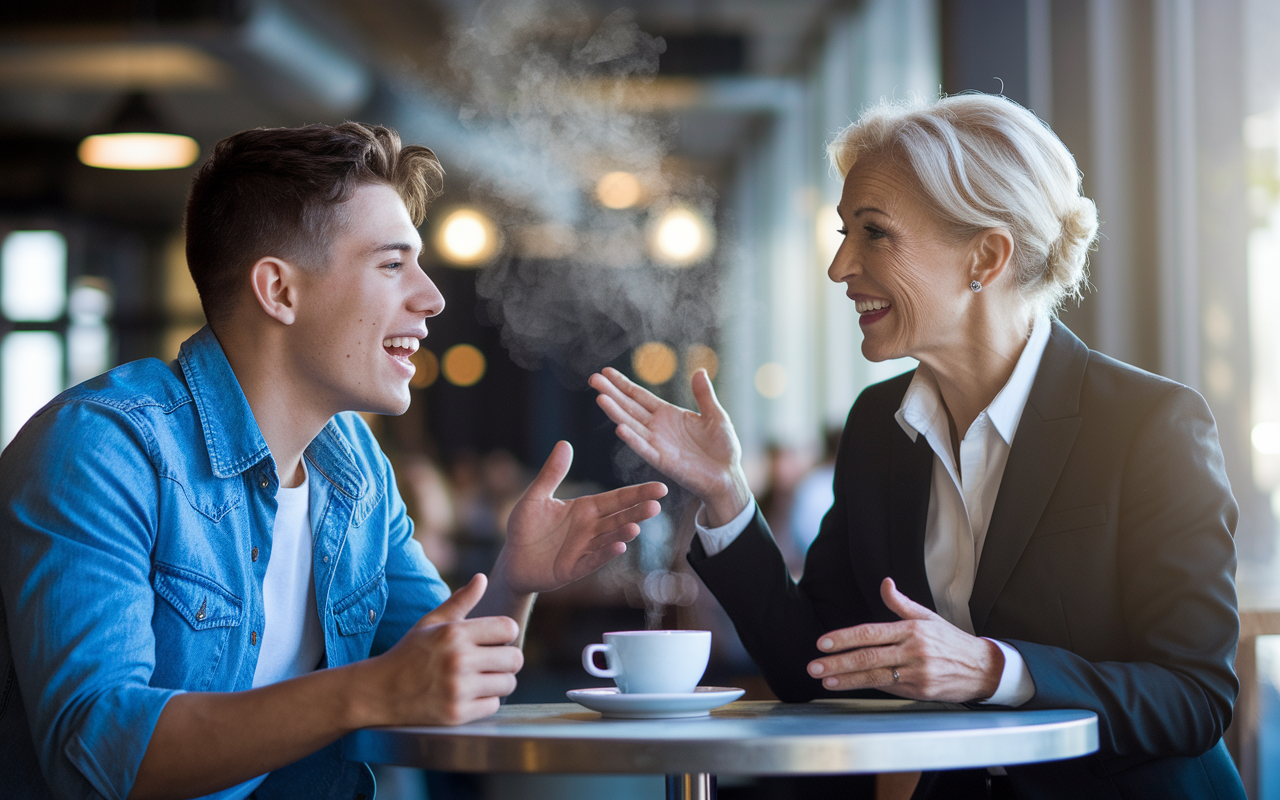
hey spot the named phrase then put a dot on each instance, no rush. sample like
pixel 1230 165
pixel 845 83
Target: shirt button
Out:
pixel 372 615
pixel 254 554
pixel 262 484
pixel 253 637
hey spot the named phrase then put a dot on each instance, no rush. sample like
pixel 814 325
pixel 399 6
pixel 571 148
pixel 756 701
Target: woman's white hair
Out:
pixel 984 162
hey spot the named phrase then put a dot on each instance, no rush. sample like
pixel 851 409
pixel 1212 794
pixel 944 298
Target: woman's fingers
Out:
pixel 639 395
pixel 705 395
pixel 636 401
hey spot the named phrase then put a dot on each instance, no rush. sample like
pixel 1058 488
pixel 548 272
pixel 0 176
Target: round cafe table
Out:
pixel 743 738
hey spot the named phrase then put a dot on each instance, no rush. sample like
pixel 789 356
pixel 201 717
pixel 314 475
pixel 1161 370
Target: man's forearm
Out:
pixel 502 600
pixel 207 741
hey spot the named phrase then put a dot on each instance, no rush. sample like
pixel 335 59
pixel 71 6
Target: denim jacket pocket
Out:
pixel 361 611
pixel 197 599
pixel 193 627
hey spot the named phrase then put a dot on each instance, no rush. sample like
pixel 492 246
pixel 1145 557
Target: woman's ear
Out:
pixel 275 287
pixel 992 254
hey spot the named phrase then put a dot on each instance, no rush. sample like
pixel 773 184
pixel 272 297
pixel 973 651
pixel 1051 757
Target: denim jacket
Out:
pixel 136 513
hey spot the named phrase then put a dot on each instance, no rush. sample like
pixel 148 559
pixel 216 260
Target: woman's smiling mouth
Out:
pixel 871 310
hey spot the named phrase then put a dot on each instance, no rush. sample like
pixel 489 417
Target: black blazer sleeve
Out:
pixel 1109 561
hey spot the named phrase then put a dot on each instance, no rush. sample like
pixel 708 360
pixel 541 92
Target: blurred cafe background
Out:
pixel 643 185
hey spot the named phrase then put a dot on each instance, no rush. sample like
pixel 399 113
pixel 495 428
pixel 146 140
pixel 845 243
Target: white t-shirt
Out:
pixel 292 642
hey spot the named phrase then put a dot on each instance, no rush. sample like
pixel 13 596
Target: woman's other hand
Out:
pixel 934 659
pixel 700 451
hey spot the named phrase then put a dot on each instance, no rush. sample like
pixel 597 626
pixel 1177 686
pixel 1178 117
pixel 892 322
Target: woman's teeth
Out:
pixel 863 306
pixel 402 343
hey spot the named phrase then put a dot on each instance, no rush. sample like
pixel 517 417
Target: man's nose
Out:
pixel 427 300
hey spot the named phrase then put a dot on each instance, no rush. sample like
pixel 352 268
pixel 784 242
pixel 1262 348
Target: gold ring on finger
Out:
pixel 896 676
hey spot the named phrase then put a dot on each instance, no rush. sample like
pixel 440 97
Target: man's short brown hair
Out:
pixel 278 191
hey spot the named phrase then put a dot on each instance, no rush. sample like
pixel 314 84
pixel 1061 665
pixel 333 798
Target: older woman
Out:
pixel 1019 521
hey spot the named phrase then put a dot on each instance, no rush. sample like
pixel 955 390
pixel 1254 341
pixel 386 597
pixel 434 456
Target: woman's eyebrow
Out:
pixel 868 210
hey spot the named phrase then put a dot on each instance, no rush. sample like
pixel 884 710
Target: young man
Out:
pixel 183 547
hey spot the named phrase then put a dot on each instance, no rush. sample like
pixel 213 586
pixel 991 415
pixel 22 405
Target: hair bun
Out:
pixel 1067 263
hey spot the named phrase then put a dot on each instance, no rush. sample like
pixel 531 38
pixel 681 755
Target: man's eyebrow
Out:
pixel 395 246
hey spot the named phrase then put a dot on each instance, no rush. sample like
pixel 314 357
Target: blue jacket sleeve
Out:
pixel 78 498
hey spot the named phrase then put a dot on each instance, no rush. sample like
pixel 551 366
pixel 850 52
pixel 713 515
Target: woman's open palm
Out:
pixel 699 450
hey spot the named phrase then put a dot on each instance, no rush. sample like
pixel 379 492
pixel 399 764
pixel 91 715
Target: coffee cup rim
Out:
pixel 653 633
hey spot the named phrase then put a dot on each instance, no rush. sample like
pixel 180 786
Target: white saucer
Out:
pixel 613 703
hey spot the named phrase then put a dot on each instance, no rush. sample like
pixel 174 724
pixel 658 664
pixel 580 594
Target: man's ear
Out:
pixel 275 287
pixel 992 254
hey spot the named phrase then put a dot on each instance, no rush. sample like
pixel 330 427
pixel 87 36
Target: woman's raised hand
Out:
pixel 699 450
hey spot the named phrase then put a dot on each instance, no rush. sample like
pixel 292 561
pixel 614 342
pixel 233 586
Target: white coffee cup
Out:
pixel 651 662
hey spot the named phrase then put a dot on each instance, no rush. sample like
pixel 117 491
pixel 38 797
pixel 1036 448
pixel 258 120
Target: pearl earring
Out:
pixel 975 286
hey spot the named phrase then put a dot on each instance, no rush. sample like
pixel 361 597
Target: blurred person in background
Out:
pixel 207 572
pixel 1019 521
pixel 814 495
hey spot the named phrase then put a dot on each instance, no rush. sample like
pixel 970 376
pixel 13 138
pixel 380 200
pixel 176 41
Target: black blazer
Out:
pixel 1108 563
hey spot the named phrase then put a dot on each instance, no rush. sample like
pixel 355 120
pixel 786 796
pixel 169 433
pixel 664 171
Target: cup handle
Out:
pixel 588 654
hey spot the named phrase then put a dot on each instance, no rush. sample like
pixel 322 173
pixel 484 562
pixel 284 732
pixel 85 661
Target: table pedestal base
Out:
pixel 691 786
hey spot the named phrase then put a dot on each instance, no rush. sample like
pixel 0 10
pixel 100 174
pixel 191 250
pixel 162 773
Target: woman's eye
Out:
pixel 874 232
pixel 843 231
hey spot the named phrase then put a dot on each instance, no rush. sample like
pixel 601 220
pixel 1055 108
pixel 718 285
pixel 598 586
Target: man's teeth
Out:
pixel 864 306
pixel 402 342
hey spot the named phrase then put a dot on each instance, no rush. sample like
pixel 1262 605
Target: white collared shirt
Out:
pixel 961 497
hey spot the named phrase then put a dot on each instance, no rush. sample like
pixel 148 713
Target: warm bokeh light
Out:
pixel 139 151
pixel 771 380
pixel 467 238
pixel 699 356
pixel 681 237
pixel 1266 438
pixel 618 190
pixel 463 365
pixel 654 363
pixel 428 368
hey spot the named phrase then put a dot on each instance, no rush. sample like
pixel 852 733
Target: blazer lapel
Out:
pixel 910 473
pixel 1040 449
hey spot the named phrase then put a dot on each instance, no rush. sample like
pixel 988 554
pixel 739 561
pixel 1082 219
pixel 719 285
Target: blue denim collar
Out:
pixel 231 433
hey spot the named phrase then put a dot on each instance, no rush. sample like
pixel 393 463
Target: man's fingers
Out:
pixel 553 471
pixel 488 632
pixel 641 495
pixel 459 604
pixel 900 604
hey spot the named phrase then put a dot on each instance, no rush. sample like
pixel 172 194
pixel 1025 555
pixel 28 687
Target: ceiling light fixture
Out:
pixel 138 141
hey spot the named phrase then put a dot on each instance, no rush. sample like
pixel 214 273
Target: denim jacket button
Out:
pixel 254 554
pixel 253 637
pixel 372 615
pixel 326 559
pixel 262 483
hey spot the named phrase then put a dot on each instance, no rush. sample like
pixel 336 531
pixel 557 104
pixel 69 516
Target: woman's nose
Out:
pixel 843 265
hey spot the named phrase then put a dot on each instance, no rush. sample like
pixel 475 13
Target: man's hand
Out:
pixel 700 450
pixel 447 669
pixel 935 660
pixel 552 542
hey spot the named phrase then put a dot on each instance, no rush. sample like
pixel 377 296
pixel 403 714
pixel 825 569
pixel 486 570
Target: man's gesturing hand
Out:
pixel 552 542
pixel 447 669
pixel 934 659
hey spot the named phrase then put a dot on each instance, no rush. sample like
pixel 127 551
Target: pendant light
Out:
pixel 138 140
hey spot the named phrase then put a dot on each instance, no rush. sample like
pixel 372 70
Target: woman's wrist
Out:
pixel 727 502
